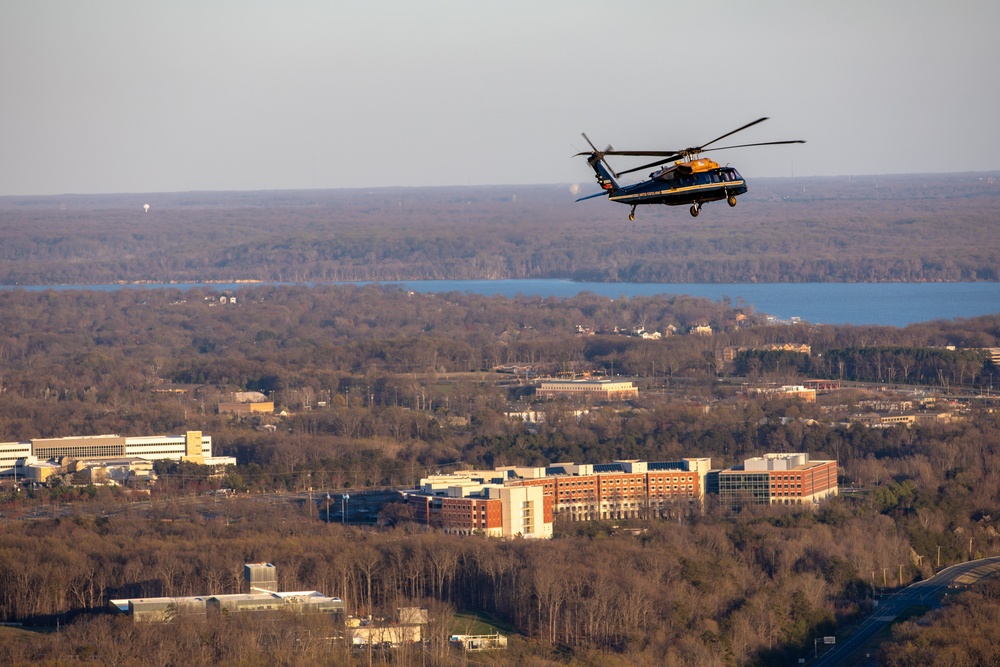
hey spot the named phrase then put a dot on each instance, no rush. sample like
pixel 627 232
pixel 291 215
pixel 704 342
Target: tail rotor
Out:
pixel 606 176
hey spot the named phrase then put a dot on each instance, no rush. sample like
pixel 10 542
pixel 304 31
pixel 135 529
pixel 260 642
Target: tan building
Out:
pixel 246 409
pixel 796 391
pixel 909 418
pixel 608 390
pixel 382 634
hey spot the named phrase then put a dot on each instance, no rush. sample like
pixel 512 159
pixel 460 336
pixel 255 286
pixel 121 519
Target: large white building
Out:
pixel 604 389
pixel 260 593
pixel 193 446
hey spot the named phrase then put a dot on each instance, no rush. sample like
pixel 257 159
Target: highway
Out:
pixel 923 593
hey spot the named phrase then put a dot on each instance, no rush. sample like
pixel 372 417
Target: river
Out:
pixel 891 304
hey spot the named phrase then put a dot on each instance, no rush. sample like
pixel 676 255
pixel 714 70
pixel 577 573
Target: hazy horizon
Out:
pixel 572 189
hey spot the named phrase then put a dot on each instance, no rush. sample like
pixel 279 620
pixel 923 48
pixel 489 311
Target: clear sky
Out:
pixel 103 96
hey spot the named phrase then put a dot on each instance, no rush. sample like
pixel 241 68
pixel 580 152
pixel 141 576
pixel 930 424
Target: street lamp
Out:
pixel 328 509
pixel 343 508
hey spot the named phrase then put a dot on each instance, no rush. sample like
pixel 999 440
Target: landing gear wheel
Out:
pixel 695 210
pixel 731 200
pixel 631 215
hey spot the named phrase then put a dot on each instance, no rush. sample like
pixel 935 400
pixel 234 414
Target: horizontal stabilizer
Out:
pixel 599 194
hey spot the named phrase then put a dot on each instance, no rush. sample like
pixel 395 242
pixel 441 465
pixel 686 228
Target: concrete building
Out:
pixel 192 446
pixel 245 409
pixel 260 578
pixel 166 609
pixel 821 385
pixel 13 455
pixel 470 643
pixel 908 419
pixel 101 470
pixel 256 596
pixel 797 391
pixel 777 479
pixel 383 634
pixel 468 503
pixel 608 390
pixel 522 512
pixel 407 628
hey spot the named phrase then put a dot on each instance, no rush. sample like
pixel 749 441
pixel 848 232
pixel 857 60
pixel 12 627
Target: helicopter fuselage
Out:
pixel 680 185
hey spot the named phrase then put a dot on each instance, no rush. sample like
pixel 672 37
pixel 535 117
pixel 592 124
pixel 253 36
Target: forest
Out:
pixel 913 228
pixel 408 388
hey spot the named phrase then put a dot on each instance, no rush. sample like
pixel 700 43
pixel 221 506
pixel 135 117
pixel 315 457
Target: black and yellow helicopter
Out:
pixel 690 180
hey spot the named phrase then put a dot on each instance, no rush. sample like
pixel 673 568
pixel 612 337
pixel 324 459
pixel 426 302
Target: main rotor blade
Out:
pixel 644 153
pixel 677 156
pixel 763 143
pixel 739 129
pixel 651 164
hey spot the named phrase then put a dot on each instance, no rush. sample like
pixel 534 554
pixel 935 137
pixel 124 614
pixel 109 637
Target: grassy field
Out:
pixel 479 623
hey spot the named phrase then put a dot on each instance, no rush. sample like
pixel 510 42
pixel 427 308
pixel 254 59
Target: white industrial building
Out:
pixel 20 458
pixel 604 389
pixel 260 593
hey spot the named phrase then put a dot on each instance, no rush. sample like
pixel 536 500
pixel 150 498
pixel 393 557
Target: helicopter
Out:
pixel 692 179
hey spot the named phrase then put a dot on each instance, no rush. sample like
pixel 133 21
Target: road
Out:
pixel 923 593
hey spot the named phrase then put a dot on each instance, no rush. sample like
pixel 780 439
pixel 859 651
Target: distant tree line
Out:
pixel 928 366
pixel 906 228
pixel 908 365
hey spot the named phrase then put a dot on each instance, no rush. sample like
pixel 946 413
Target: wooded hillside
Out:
pixel 884 228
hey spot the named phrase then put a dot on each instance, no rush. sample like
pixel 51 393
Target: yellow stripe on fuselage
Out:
pixel 689 188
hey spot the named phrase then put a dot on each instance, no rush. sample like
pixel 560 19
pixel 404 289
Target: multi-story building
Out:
pixel 777 479
pixel 478 502
pixel 618 490
pixel 18 457
pixel 498 502
pixel 605 389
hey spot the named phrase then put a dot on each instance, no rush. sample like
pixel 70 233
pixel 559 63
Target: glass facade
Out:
pixel 738 488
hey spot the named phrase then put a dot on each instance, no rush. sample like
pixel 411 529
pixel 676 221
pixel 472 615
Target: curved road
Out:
pixel 923 593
